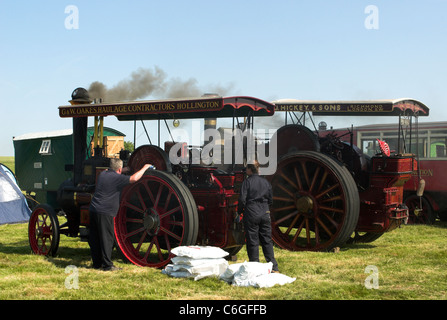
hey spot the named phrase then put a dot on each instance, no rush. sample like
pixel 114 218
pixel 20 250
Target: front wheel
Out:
pixel 43 231
pixel 419 210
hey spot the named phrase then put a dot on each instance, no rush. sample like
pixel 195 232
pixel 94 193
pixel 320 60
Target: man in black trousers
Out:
pixel 254 200
pixel 103 208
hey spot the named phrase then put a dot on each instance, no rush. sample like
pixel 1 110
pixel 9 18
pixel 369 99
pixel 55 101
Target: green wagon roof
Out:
pixel 66 132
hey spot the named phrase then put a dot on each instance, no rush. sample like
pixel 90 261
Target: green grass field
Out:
pixel 9 162
pixel 411 263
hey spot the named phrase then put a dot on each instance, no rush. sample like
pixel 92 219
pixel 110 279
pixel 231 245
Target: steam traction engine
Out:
pixel 325 191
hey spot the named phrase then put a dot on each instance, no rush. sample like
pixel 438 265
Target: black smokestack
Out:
pixel 79 96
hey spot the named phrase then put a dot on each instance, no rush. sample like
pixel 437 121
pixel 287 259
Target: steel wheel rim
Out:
pixel 41 232
pixel 310 203
pixel 150 222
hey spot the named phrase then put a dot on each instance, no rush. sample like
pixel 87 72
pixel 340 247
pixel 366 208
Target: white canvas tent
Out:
pixel 13 206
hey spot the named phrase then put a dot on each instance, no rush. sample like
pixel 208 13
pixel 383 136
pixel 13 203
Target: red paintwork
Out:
pixel 432 170
pixel 219 203
pixel 380 207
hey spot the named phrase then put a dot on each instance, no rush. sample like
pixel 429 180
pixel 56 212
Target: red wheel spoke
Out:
pixel 158 195
pixel 283 199
pixel 285 190
pixel 277 222
pixel 317 232
pixel 168 199
pixel 143 204
pixel 149 249
pixel 164 215
pixel 298 179
pixel 306 176
pixel 334 223
pixel 332 209
pixel 314 179
pixel 168 243
pixel 324 226
pixel 133 207
pixel 43 221
pixel 47 232
pixel 323 180
pixel 149 192
pixel 285 208
pixel 292 224
pixel 176 223
pixel 307 231
pixel 134 220
pixel 171 233
pixel 288 180
pixel 298 231
pixel 327 191
pixel 143 236
pixel 157 245
pixel 336 198
pixel 135 232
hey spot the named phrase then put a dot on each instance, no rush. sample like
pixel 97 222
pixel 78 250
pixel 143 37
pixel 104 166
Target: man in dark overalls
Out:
pixel 254 200
pixel 103 208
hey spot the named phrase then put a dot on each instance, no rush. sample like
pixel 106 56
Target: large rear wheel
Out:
pixel 315 202
pixel 156 214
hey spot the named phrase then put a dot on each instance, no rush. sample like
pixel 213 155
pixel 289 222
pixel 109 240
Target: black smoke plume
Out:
pixel 143 83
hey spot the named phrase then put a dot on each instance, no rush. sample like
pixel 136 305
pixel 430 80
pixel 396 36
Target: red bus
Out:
pixel 429 144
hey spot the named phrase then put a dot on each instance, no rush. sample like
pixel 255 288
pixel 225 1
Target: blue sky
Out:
pixel 317 50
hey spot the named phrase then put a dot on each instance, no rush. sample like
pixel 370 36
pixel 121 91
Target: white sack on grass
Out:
pixel 218 267
pixel 228 275
pixel 199 252
pixel 249 270
pixel 195 262
pixel 271 279
pixel 245 270
pixel 176 274
pixel 186 274
pixel 214 267
pixel 254 274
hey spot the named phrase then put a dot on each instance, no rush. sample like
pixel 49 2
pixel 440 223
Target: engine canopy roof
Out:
pixel 395 107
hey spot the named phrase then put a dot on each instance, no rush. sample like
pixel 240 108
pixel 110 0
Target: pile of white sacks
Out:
pixel 199 262
pixel 196 262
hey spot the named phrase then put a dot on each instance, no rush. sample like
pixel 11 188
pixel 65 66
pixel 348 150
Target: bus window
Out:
pixel 421 148
pixel 437 148
pixel 370 134
pixel 390 134
pixel 369 147
pixel 392 143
